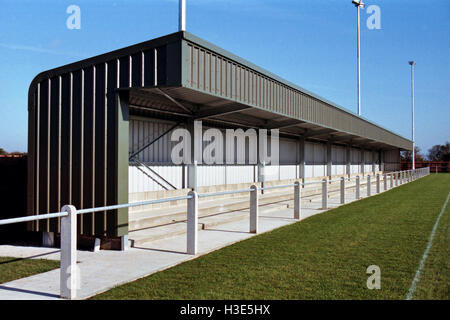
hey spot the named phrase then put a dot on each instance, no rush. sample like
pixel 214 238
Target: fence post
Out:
pixel 324 194
pixel 69 280
pixel 342 190
pixel 192 223
pixel 254 209
pixel 392 179
pixel 385 181
pixel 368 186
pixel 297 200
pixel 357 196
pixel 378 183
pixel 396 178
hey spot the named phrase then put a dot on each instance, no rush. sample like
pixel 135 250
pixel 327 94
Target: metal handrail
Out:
pixel 155 201
pixel 278 187
pixel 33 218
pixel 220 193
pixel 133 204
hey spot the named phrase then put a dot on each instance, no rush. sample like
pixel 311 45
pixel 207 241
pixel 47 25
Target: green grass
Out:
pixel 16 268
pixel 324 256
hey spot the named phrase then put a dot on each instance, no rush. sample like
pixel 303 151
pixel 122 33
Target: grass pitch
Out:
pixel 324 256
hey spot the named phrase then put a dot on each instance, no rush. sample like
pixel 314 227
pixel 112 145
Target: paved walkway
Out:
pixel 100 271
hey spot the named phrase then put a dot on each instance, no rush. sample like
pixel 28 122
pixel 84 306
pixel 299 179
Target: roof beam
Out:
pixel 284 124
pixel 218 111
pixel 319 133
pixel 185 108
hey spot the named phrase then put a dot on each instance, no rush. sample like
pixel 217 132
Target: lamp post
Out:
pixel 359 4
pixel 412 64
pixel 182 15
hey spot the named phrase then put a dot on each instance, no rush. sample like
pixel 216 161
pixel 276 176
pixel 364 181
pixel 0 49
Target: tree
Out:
pixel 2 151
pixel 407 155
pixel 439 152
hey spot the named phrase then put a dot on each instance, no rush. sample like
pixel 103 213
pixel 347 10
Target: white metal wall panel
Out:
pixel 288 172
pixel 338 160
pixel 272 173
pixel 309 171
pixel 240 174
pixel 143 131
pixel 355 156
pixel 320 152
pixel 139 181
pixel 288 151
pixel 368 157
pixel 210 175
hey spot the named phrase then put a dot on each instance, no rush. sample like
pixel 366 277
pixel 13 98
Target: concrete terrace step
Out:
pixel 158 217
pixel 144 236
pixel 148 226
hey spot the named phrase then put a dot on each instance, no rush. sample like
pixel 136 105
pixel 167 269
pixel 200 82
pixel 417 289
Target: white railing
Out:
pixel 68 270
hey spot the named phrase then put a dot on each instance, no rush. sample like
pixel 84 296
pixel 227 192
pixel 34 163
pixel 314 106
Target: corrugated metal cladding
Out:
pixel 74 138
pixel 79 128
pixel 210 72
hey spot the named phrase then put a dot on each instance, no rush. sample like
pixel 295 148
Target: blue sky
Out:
pixel 310 43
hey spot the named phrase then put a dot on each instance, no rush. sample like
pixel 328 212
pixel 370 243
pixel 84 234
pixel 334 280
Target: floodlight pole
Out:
pixel 182 15
pixel 359 5
pixel 412 64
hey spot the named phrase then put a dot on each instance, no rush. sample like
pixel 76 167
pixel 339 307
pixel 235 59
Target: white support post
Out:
pixel 357 191
pixel 297 200
pixel 378 183
pixel 384 181
pixel 192 223
pixel 254 209
pixel 396 178
pixel 69 277
pixel 324 194
pixel 124 242
pixel 392 180
pixel 368 186
pixel 342 190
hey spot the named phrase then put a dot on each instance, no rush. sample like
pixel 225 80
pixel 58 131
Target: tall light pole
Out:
pixel 359 4
pixel 182 15
pixel 412 64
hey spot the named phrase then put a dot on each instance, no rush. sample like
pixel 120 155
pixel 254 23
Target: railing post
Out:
pixel 192 223
pixel 378 183
pixel 69 277
pixel 254 209
pixel 397 175
pixel 357 196
pixel 368 186
pixel 385 181
pixel 342 190
pixel 297 200
pixel 392 179
pixel 324 194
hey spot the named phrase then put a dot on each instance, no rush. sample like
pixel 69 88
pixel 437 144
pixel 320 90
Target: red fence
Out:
pixel 435 166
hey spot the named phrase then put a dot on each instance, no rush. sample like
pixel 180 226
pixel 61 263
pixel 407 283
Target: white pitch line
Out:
pixel 425 254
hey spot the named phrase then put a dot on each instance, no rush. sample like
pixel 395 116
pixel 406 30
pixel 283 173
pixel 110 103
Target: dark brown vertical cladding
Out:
pixel 89 150
pixel 55 133
pixel 149 67
pixel 77 145
pixel 100 145
pixel 136 70
pixel 43 168
pixel 66 140
pixel 111 132
pixel 77 128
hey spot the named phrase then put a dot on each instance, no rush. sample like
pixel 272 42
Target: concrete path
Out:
pixel 100 271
